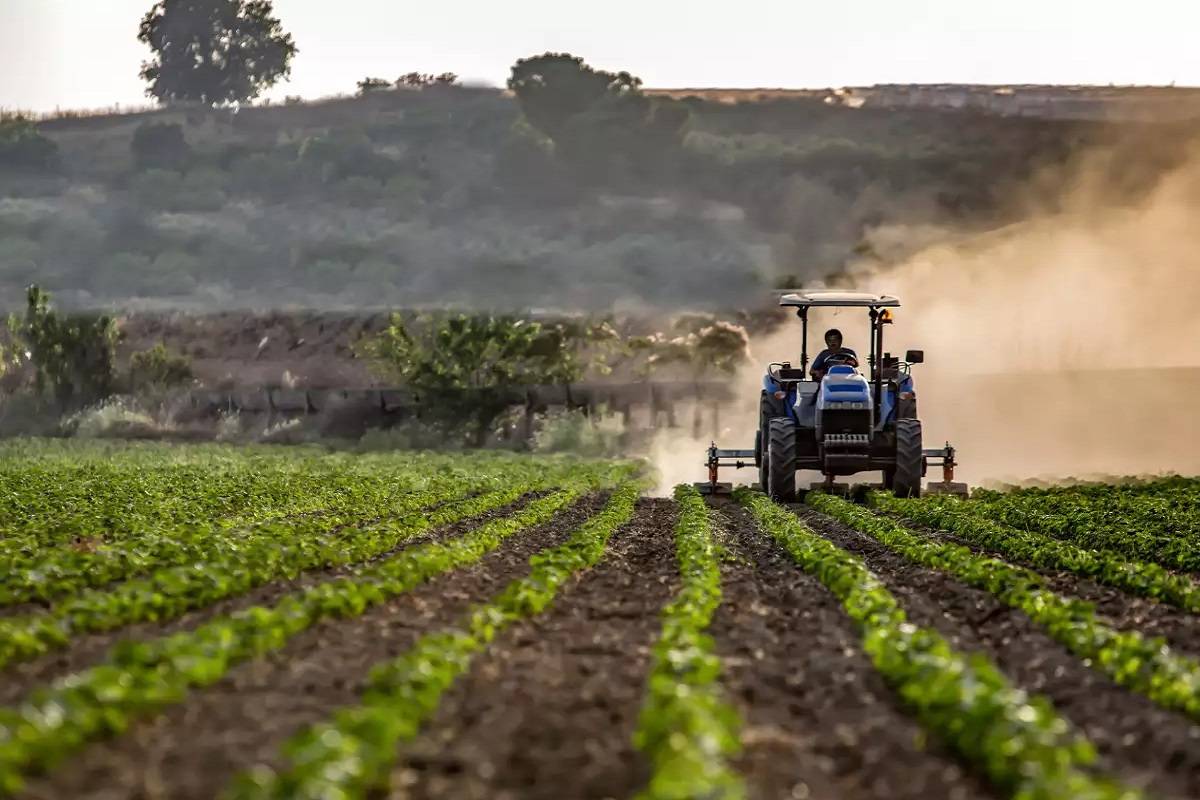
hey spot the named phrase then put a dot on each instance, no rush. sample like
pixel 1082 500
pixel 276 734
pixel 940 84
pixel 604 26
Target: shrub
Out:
pixel 157 367
pixel 73 357
pixel 24 148
pixel 159 144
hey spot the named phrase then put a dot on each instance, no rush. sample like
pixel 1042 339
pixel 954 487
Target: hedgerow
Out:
pixel 1018 741
pixel 352 754
pixel 1143 664
pixel 1044 552
pixel 686 729
pixel 141 677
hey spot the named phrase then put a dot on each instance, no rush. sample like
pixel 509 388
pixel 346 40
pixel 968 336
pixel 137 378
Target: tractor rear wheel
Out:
pixel 760 458
pixel 910 460
pixel 781 460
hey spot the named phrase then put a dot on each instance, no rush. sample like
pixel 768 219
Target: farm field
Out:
pixel 212 621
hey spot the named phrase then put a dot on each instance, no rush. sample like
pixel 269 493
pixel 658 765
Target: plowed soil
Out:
pixel 818 720
pixel 194 749
pixel 1137 741
pixel 549 710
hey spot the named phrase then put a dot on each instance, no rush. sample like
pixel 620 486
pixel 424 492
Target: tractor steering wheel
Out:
pixel 841 358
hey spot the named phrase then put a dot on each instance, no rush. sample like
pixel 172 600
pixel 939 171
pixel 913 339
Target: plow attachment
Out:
pixel 730 459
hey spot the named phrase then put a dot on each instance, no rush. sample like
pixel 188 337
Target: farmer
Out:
pixel 833 353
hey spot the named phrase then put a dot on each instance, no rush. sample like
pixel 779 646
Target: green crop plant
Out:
pixel 686 729
pixel 1044 552
pixel 1024 748
pixel 1139 663
pixel 352 754
pixel 139 678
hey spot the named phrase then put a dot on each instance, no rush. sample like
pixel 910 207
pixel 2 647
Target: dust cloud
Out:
pixel 1063 346
pixel 1067 345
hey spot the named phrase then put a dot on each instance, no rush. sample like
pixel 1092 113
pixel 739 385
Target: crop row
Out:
pixel 686 730
pixel 352 754
pixel 1045 552
pixel 169 592
pixel 1139 663
pixel 85 495
pixel 50 573
pixel 1162 529
pixel 139 678
pixel 1018 741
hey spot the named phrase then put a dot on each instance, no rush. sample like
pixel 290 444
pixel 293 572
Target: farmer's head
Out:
pixel 833 338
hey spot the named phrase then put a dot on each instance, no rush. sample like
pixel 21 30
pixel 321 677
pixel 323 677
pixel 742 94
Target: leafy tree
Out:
pixel 466 365
pixel 159 144
pixel 555 87
pixel 74 356
pixel 214 51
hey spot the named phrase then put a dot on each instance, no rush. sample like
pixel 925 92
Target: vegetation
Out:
pixel 1023 746
pixel 159 368
pixel 1141 663
pixel 353 754
pixel 579 187
pixel 688 731
pixel 214 52
pixel 73 357
pixel 139 678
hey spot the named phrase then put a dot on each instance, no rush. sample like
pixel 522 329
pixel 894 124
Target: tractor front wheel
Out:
pixel 910 459
pixel 781 460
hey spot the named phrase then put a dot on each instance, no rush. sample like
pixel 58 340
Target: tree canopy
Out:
pixel 214 51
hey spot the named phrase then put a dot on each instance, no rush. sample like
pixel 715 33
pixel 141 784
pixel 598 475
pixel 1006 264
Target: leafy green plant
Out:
pixel 352 754
pixel 157 367
pixel 73 356
pixel 139 678
pixel 1044 552
pixel 686 729
pixel 1024 748
pixel 1143 664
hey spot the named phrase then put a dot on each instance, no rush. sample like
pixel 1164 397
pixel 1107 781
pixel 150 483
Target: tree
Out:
pixel 555 87
pixel 214 51
pixel 73 356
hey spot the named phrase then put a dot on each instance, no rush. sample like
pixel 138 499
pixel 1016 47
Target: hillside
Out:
pixel 446 196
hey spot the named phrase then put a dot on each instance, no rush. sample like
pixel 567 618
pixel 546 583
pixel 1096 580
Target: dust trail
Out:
pixel 1065 345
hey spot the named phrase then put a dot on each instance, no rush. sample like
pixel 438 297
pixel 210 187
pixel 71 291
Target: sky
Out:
pixel 84 54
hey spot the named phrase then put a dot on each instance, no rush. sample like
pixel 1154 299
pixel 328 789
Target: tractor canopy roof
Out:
pixel 832 298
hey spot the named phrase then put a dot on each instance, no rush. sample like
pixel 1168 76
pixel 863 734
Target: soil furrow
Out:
pixel 88 649
pixel 818 720
pixel 549 709
pixel 196 747
pixel 1140 743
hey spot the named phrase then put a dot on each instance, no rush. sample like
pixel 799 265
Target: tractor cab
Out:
pixel 852 418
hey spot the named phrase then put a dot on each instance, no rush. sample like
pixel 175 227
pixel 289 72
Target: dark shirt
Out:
pixel 819 363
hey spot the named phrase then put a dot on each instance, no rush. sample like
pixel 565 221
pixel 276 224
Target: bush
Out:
pixel 24 148
pixel 74 357
pixel 159 144
pixel 157 367
pixel 368 85
pixel 157 189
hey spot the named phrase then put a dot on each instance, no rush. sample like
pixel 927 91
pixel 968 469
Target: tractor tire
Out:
pixel 760 458
pixel 910 460
pixel 781 460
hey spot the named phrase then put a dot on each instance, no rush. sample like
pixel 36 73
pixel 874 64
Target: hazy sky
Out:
pixel 82 53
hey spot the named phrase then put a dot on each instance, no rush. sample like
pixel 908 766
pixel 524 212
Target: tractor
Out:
pixel 843 422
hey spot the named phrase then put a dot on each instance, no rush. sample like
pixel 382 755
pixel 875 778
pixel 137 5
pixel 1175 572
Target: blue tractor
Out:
pixel 842 421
